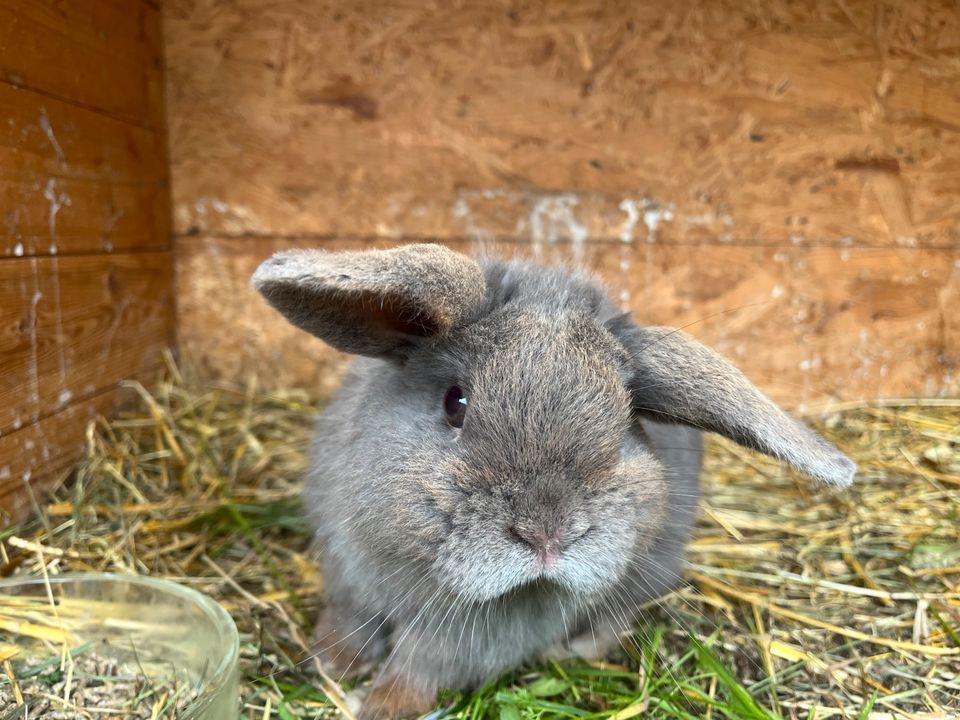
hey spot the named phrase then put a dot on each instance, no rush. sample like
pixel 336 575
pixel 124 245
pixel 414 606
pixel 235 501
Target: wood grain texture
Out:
pixel 73 326
pixel 86 275
pixel 809 325
pixel 102 54
pixel 785 176
pixel 76 181
pixel 808 123
pixel 34 458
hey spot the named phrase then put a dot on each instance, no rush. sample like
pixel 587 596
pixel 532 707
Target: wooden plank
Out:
pixel 39 454
pixel 72 326
pixel 43 136
pixel 85 267
pixel 75 181
pixel 101 55
pixel 810 325
pixel 65 217
pixel 811 123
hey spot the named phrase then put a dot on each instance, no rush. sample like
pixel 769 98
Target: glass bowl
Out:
pixel 153 627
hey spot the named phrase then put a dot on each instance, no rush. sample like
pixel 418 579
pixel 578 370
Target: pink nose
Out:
pixel 548 558
pixel 548 546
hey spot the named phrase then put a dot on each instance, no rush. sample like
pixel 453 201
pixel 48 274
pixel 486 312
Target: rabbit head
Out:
pixel 499 433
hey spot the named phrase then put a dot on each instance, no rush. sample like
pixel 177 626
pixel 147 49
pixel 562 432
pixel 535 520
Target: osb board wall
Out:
pixel 85 260
pixel 784 178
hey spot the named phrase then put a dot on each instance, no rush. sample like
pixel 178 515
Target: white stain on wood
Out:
pixel 58 201
pixel 625 252
pixel 48 131
pixel 464 212
pixel 33 370
pixel 653 215
pixel 58 320
pixel 546 218
pixel 212 214
pixel 553 218
pixel 629 206
pixel 708 219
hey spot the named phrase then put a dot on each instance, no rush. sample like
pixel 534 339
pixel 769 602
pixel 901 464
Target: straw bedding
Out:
pixel 817 604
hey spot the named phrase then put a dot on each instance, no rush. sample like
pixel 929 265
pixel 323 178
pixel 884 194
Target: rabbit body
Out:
pixel 460 543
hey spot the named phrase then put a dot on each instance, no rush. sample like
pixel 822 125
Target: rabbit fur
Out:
pixel 564 501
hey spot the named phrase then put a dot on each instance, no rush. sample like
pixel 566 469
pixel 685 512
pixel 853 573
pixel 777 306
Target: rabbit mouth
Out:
pixel 549 574
pixel 537 588
pixel 557 582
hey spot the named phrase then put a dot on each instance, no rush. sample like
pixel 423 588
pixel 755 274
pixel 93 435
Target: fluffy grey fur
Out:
pixel 562 504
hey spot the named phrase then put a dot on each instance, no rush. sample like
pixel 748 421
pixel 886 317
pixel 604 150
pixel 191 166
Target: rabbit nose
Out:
pixel 548 544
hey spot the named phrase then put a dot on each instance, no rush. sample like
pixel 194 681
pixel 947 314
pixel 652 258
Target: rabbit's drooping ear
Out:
pixel 675 379
pixel 375 302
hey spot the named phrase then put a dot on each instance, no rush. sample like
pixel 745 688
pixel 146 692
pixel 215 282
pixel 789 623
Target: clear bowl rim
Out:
pixel 222 620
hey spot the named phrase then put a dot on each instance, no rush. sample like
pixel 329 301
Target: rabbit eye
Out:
pixel 455 406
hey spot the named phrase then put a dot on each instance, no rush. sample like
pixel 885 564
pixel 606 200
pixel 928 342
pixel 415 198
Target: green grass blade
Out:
pixel 738 695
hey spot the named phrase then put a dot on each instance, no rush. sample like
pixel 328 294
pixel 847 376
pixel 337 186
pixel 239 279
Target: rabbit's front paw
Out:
pixel 394 697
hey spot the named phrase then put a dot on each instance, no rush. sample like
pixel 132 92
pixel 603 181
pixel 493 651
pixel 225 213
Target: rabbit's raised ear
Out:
pixel 675 379
pixel 375 302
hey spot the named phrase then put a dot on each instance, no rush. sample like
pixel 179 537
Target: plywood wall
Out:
pixel 783 178
pixel 86 273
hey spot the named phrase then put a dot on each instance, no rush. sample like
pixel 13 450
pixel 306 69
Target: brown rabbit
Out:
pixel 511 464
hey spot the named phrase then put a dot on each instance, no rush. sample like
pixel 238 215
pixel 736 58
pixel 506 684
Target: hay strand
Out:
pixel 815 600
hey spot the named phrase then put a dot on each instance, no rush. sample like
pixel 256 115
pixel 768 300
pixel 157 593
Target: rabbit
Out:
pixel 510 467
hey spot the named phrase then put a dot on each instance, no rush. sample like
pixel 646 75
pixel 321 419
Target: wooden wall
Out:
pixel 85 258
pixel 783 177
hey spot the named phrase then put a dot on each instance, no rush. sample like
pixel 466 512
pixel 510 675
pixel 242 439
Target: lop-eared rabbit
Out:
pixel 511 465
